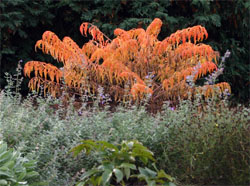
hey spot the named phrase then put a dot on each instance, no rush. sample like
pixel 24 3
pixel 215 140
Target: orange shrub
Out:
pixel 130 66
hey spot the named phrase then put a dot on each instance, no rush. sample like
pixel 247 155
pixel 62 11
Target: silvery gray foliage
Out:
pixel 190 79
pixel 210 80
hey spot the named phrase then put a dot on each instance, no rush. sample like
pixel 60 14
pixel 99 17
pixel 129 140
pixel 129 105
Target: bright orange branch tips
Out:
pixel 131 66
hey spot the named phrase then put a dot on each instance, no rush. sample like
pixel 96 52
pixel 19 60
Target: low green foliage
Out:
pixel 197 142
pixel 211 146
pixel 119 161
pixel 16 170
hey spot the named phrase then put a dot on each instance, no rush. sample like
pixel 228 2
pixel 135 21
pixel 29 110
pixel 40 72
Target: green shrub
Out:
pixel 120 162
pixel 16 170
pixel 211 146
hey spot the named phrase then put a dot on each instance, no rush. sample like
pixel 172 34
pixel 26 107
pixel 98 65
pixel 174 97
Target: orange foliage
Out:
pixel 135 59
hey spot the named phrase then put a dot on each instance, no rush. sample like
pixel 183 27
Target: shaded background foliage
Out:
pixel 227 23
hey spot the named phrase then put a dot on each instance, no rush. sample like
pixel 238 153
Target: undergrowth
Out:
pixel 197 142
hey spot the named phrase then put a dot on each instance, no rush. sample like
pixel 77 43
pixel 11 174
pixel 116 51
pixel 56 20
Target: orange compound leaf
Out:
pixel 42 69
pixel 122 34
pixel 168 83
pixel 224 86
pixel 196 32
pixel 84 27
pixel 93 32
pixel 119 31
pixel 32 83
pixel 50 37
pixel 124 75
pixel 38 44
pixel 89 48
pixel 187 50
pixel 138 90
pixel 137 32
pixel 36 66
pixel 205 68
pixel 97 55
pixel 51 44
pixel 28 68
pixel 211 90
pixel 154 28
pixel 73 50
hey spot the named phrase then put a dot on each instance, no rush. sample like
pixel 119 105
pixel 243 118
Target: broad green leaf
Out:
pixel 106 176
pixel 3 182
pixel 5 173
pixel 127 172
pixel 162 174
pixel 108 165
pixel 128 165
pixel 151 172
pixel 89 173
pixel 11 179
pixel 147 172
pixel 5 156
pixel 119 175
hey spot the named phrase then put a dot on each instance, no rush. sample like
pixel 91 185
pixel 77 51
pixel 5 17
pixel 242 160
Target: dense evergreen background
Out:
pixel 227 22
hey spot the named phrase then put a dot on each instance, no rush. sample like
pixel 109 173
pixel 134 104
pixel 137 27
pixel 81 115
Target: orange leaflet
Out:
pixel 84 27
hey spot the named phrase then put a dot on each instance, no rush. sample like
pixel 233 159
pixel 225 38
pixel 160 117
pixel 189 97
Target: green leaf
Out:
pixel 99 180
pixel 79 148
pixel 128 165
pixel 147 172
pixel 108 165
pixel 5 173
pixel 3 182
pixel 5 156
pixel 32 174
pixel 108 145
pixel 127 172
pixel 3 147
pixel 118 174
pixel 81 183
pixel 151 172
pixel 151 183
pixel 106 176
pixel 22 175
pixel 89 173
pixel 9 164
pixel 162 174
